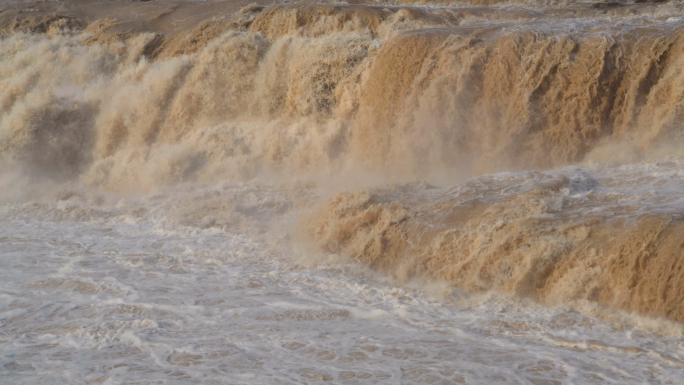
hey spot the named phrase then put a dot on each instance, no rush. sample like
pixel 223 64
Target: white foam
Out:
pixel 178 304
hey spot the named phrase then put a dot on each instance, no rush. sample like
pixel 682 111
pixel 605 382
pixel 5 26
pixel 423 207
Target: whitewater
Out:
pixel 225 192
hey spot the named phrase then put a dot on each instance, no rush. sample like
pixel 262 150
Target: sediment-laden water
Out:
pixel 224 192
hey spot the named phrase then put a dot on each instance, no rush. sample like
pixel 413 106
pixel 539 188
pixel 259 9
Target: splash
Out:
pixel 558 237
pixel 365 95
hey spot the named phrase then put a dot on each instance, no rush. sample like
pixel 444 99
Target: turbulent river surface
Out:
pixel 226 192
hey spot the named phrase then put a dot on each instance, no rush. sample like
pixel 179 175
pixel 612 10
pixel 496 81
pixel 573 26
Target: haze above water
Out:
pixel 435 193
